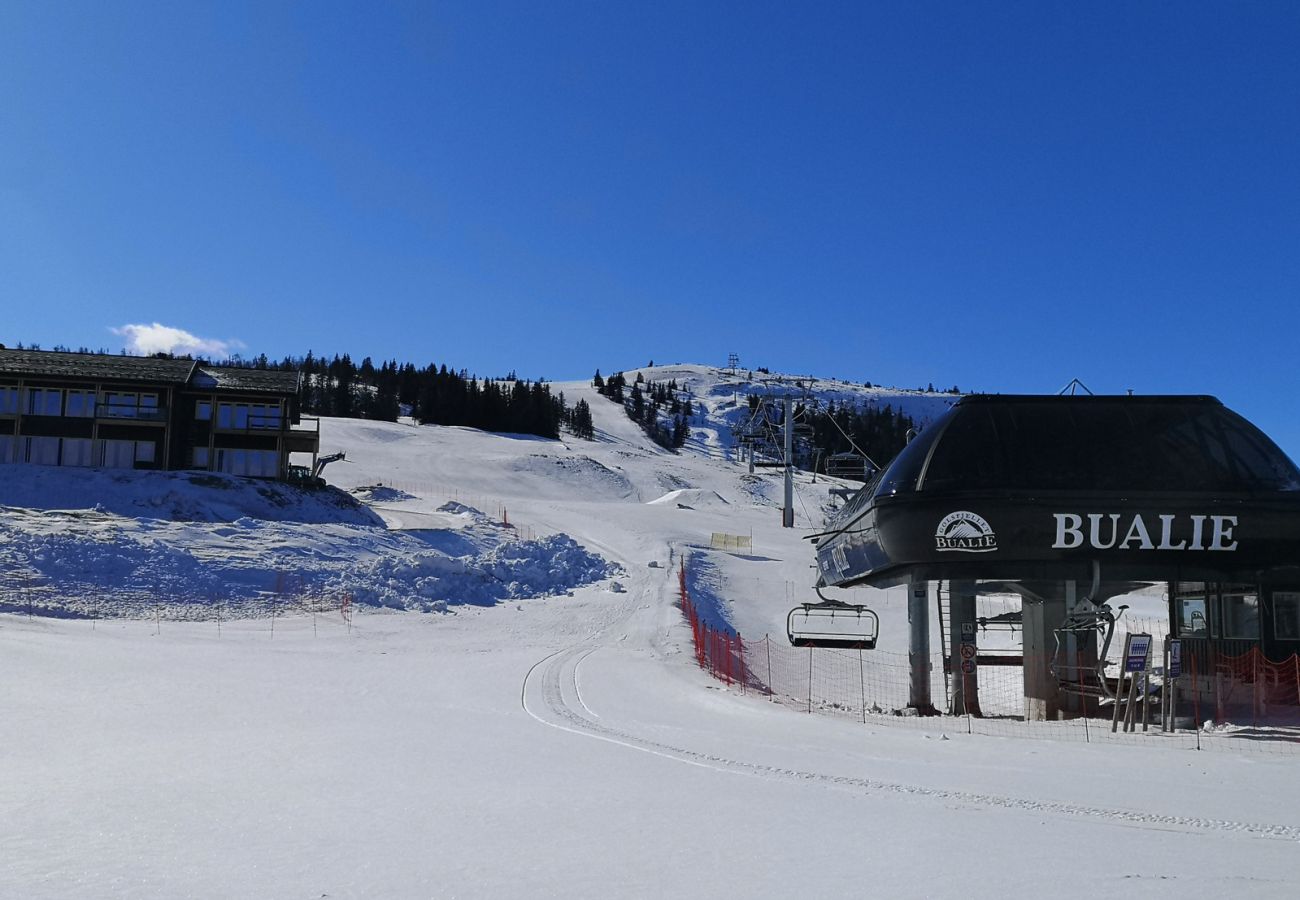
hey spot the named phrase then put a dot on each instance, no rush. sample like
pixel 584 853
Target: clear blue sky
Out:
pixel 1000 196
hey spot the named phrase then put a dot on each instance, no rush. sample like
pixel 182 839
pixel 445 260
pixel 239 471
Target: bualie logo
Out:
pixel 966 532
pixel 1133 531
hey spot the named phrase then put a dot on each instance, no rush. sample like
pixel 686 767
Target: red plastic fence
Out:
pixel 719 651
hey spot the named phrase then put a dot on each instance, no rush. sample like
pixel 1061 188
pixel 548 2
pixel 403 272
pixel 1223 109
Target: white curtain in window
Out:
pixel 267 464
pixel 119 454
pixel 253 463
pixel 43 451
pixel 76 452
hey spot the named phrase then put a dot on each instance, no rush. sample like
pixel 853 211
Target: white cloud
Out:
pixel 158 338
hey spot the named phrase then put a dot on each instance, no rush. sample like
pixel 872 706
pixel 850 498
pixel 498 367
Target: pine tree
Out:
pixel 638 403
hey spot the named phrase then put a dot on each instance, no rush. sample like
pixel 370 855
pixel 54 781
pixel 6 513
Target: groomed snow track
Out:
pixel 552 694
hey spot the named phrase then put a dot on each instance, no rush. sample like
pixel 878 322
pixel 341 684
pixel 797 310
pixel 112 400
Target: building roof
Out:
pixel 235 378
pixel 178 372
pixel 1020 488
pixel 64 364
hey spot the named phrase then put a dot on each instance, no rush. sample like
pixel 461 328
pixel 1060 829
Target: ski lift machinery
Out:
pixel 1087 618
pixel 832 624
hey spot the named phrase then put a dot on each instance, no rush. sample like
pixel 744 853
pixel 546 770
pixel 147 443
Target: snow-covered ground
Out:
pixel 544 732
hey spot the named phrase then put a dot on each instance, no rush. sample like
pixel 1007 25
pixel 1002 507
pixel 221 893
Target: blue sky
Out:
pixel 1000 196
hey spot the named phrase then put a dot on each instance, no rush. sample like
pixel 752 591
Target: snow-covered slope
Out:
pixel 721 397
pixel 431 517
pixel 568 747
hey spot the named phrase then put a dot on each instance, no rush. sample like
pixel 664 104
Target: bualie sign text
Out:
pixel 1131 531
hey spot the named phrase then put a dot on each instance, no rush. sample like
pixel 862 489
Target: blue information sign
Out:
pixel 1139 648
pixel 1175 658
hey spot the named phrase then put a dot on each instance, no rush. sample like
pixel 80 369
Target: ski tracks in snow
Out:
pixel 550 694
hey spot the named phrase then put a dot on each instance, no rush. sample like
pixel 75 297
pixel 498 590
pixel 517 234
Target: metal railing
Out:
pixel 257 423
pixel 262 423
pixel 119 411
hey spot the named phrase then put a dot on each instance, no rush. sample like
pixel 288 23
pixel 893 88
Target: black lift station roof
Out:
pixel 1017 488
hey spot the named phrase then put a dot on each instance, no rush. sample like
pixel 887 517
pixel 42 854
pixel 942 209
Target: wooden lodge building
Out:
pixel 129 412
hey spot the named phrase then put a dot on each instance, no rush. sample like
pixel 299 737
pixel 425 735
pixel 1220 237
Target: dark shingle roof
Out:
pixel 61 364
pixel 179 372
pixel 234 378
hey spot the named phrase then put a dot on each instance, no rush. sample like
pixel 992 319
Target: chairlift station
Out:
pixel 1070 501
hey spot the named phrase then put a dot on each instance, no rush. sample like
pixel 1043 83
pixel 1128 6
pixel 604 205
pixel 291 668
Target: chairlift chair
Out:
pixel 1087 616
pixel 832 624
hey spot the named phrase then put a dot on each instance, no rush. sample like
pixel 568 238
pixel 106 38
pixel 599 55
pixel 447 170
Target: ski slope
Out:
pixel 561 743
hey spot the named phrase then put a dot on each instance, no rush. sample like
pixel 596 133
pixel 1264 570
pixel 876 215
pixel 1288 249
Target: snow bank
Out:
pixel 432 581
pixel 95 562
pixel 693 498
pixel 175 496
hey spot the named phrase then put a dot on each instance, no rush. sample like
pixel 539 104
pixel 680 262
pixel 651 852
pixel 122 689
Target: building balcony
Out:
pixel 149 415
pixel 303 437
pixel 303 433
pixel 252 424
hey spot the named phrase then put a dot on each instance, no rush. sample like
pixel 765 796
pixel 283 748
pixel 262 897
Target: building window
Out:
pixel 44 402
pixel 249 416
pixel 144 451
pixel 119 454
pixel 1240 611
pixel 264 416
pixel 200 458
pixel 81 404
pixel 203 410
pixel 1192 621
pixel 42 451
pixel 8 399
pixel 77 452
pixel 7 448
pixel 253 463
pixel 1286 615
pixel 129 405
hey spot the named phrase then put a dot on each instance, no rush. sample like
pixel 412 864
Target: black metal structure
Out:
pixel 833 625
pixel 1022 488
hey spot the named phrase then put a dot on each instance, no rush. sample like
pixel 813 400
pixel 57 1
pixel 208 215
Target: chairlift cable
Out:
pixel 852 444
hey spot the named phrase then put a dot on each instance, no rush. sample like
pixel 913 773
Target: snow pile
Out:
pixel 96 563
pixel 378 493
pixel 691 498
pixel 432 581
pixel 174 496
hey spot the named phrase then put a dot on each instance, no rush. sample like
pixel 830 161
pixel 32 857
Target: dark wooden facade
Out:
pixel 1230 618
pixel 97 410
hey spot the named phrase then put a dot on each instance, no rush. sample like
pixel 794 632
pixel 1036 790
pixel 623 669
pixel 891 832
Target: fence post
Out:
pixel 1255 698
pixel 862 686
pixel 1196 699
pixel 740 646
pixel 771 691
pixel 1219 716
pixel 810 667
pixel 1083 697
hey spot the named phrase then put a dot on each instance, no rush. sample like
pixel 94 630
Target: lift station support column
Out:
pixel 918 650
pixel 787 510
pixel 1042 616
pixel 962 659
